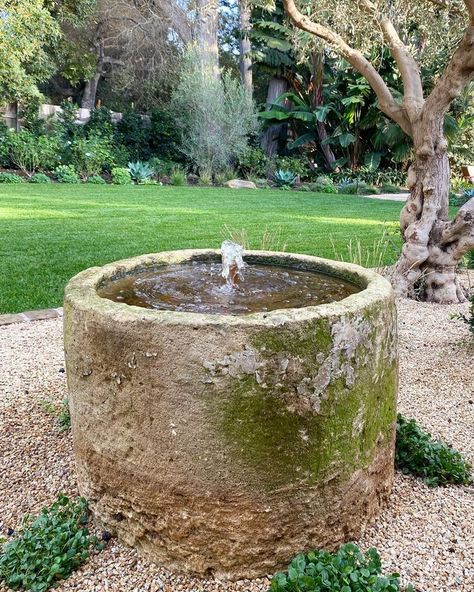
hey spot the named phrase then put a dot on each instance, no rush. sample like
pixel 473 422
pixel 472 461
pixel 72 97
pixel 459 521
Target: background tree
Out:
pixel 133 45
pixel 214 115
pixel 206 34
pixel 245 46
pixel 27 29
pixel 433 245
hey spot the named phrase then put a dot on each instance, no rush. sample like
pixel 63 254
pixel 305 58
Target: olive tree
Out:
pixel 433 244
pixel 215 115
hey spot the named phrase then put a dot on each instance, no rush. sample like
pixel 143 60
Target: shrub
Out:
pixel 100 123
pixel 96 180
pixel 121 176
pixel 30 153
pixel 162 168
pixel 133 135
pixel 322 188
pixel 4 145
pixel 178 177
pixel 39 178
pixel 370 190
pixel 285 178
pixel 292 164
pixel 29 115
pixel 371 175
pixel 164 136
pixel 348 570
pixel 324 180
pixel 65 173
pixel 388 188
pixel 433 461
pixel 120 155
pixel 91 156
pixel 66 126
pixel 261 183
pixel 10 178
pixel 357 188
pixel 469 318
pixel 49 547
pixel 214 116
pixel 139 171
pixel 253 162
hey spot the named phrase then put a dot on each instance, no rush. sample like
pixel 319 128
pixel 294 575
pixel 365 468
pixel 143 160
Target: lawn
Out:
pixel 49 233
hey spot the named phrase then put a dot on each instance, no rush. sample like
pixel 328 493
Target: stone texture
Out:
pixel 224 445
pixel 31 315
pixel 9 319
pixel 40 315
pixel 240 184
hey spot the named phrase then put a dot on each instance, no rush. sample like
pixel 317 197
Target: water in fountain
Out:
pixel 198 286
pixel 232 263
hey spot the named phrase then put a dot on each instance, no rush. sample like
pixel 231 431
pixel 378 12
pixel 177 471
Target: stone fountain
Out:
pixel 220 431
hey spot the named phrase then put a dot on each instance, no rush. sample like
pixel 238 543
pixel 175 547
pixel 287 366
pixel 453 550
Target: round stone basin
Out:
pixel 223 445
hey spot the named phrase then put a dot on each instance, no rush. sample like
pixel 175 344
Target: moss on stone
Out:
pixel 304 342
pixel 282 446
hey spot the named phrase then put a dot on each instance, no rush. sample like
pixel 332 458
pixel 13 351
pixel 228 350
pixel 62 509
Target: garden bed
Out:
pixel 425 533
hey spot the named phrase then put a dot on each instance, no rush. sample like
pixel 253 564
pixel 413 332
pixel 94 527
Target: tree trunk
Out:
pixel 90 91
pixel 206 34
pixel 273 135
pixel 433 245
pixel 245 45
pixel 317 99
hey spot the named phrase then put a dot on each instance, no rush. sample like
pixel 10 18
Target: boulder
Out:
pixel 240 184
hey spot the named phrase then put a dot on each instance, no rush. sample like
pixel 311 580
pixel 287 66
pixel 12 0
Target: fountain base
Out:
pixel 219 444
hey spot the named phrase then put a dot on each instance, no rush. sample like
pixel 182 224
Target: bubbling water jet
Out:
pixel 232 263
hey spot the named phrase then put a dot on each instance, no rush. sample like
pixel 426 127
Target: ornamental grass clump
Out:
pixel 348 570
pixel 49 547
pixel 418 454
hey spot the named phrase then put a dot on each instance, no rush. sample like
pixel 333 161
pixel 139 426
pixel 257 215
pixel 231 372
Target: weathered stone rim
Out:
pixel 81 290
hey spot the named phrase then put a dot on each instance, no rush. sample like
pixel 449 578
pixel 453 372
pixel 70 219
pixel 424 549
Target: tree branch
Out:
pixel 461 229
pixel 459 72
pixel 357 60
pixel 409 69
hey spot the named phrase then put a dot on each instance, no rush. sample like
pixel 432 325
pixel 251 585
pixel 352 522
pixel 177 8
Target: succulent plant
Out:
pixel 285 178
pixel 139 171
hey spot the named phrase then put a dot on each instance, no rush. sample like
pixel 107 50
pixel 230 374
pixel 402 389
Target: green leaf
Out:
pixel 346 139
pixel 372 160
pixel 322 112
pixel 302 140
pixel 302 116
pixel 274 114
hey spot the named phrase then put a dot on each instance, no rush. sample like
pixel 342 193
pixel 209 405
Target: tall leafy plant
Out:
pixel 214 115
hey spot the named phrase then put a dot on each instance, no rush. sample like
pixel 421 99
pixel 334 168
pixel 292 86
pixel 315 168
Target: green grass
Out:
pixel 50 233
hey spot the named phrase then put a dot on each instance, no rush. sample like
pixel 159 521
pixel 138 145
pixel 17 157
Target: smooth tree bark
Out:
pixel 206 34
pixel 274 133
pixel 317 100
pixel 245 47
pixel 433 244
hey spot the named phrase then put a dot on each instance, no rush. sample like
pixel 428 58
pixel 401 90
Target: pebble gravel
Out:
pixel 425 534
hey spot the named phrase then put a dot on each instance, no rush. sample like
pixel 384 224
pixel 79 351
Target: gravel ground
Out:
pixel 425 534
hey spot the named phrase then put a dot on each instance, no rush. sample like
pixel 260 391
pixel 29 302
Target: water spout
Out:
pixel 232 262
